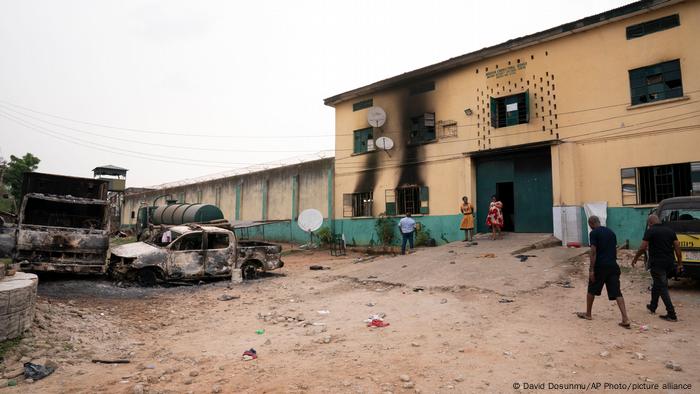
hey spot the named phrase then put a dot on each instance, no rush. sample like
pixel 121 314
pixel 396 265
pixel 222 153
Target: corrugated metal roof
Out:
pixel 583 24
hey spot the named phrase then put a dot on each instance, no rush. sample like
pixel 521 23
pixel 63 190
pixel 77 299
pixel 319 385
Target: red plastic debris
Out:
pixel 377 323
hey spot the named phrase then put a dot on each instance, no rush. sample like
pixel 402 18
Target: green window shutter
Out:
pixel 360 138
pixel 494 113
pixel 424 197
pixel 527 106
pixel 362 105
pixel 357 147
pixel 390 202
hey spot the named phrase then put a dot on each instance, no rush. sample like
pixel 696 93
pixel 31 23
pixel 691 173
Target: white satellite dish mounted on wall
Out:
pixel 384 143
pixel 376 117
pixel 309 221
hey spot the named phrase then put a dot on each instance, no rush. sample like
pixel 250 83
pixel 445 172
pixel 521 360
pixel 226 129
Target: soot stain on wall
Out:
pixel 406 155
pixel 412 106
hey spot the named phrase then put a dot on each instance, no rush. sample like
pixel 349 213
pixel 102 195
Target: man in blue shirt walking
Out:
pixel 408 227
pixel 604 270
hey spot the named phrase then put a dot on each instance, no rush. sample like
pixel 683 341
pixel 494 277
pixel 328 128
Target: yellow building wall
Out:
pixel 579 90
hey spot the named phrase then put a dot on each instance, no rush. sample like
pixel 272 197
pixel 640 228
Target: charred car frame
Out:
pixel 189 252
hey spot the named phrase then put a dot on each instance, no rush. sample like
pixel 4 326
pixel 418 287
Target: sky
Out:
pixel 175 90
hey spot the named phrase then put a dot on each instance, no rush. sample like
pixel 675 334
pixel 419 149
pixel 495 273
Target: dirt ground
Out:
pixel 479 324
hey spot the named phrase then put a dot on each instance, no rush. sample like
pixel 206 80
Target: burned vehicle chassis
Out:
pixel 195 252
pixel 62 234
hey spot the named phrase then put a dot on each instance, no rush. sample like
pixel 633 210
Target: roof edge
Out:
pixel 583 24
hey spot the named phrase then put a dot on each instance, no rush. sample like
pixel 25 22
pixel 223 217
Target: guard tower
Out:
pixel 116 176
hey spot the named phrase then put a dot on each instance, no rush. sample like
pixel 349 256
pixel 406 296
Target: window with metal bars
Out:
pixel 407 199
pixel 510 110
pixel 447 128
pixel 357 204
pixel 422 128
pixel 650 185
pixel 657 82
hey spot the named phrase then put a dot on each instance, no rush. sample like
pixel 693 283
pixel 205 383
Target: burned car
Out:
pixel 189 252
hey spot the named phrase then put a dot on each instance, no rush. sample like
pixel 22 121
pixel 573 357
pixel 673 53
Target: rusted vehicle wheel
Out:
pixel 146 277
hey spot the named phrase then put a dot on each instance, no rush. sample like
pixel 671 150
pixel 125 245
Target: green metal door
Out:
pixel 531 174
pixel 533 194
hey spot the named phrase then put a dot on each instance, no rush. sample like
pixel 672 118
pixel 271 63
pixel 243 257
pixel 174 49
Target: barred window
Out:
pixel 357 204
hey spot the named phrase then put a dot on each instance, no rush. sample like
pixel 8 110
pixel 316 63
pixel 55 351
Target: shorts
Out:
pixel 608 276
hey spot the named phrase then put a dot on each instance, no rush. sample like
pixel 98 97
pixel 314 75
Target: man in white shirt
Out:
pixel 408 227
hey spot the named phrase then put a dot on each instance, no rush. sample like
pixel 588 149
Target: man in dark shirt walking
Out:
pixel 604 270
pixel 662 243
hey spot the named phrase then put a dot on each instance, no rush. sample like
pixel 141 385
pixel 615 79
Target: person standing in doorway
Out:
pixel 495 217
pixel 407 226
pixel 467 223
pixel 603 270
pixel 662 244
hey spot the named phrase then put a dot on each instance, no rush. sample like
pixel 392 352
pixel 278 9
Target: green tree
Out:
pixel 13 174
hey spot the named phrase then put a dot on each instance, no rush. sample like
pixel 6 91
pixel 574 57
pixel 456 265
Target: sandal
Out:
pixel 623 325
pixel 582 315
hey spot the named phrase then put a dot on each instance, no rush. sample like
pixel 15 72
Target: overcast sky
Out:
pixel 243 81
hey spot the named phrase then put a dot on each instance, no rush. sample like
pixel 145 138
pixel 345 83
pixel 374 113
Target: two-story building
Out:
pixel 603 109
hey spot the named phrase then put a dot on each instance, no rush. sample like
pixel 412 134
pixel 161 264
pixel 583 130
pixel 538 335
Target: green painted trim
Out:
pixel 330 200
pixel 264 200
pixel 285 231
pixel 238 202
pixel 295 197
pixel 361 231
pixel 628 224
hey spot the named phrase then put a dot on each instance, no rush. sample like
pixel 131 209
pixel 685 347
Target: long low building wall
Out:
pixel 278 195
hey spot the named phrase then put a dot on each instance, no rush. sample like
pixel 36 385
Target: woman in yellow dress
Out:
pixel 467 223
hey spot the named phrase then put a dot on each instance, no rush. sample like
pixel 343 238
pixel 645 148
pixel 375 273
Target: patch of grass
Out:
pixel 121 241
pixel 7 345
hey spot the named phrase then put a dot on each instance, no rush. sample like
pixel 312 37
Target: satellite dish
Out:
pixel 376 117
pixel 384 143
pixel 310 220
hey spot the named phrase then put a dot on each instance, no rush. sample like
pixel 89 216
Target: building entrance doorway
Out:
pixel 504 192
pixel 522 180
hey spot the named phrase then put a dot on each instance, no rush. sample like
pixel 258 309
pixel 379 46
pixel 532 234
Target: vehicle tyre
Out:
pixel 146 277
pixel 249 271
